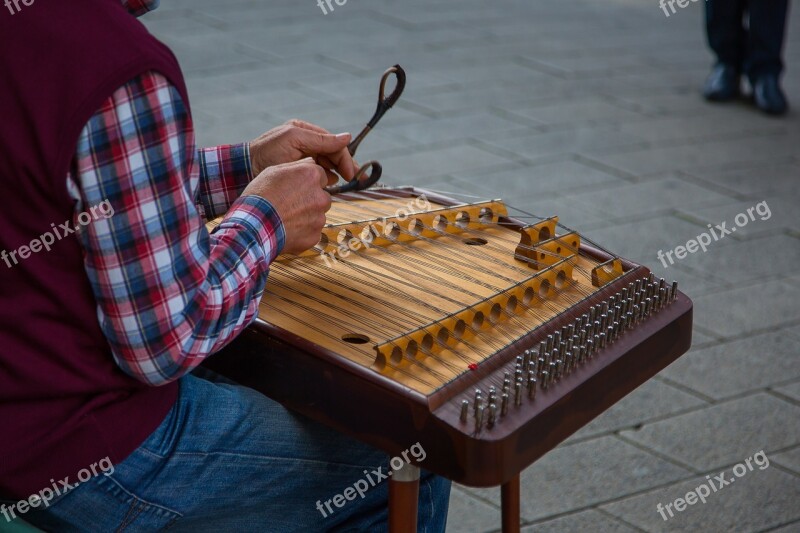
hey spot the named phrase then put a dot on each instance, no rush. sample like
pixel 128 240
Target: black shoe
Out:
pixel 768 95
pixel 722 84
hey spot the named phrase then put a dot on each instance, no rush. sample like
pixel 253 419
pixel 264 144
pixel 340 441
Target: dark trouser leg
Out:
pixel 725 30
pixel 766 36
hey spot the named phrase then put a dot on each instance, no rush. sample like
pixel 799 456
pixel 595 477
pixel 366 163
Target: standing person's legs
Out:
pixel 228 459
pixel 725 31
pixel 766 36
pixel 763 64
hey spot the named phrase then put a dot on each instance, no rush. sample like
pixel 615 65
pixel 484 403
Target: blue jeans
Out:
pixel 227 458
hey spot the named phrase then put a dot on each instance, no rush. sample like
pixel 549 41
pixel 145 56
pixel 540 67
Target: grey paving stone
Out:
pixel 469 514
pixel 261 99
pixel 758 181
pixel 590 520
pixel 701 339
pixel 710 154
pixel 476 126
pixel 586 474
pixel 758 501
pixel 724 433
pixel 738 262
pixel 780 213
pixel 792 390
pixel 654 399
pixel 587 110
pixel 547 179
pixel 437 161
pixel 581 139
pixel 702 123
pixel 790 459
pixel 792 527
pixel 759 306
pixel 636 199
pixel 739 366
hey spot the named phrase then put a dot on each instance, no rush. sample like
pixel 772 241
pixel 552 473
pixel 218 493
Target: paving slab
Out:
pixel 723 434
pixel 652 400
pixel 467 513
pixel 585 474
pixel 790 459
pixel 758 501
pixel 736 367
pixel 637 199
pixel 791 390
pixel 764 180
pixel 584 521
pixel 748 309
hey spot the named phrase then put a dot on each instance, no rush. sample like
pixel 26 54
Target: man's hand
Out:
pixel 298 139
pixel 295 191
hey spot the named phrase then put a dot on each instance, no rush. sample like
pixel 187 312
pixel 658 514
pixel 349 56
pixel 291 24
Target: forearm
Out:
pixel 168 293
pixel 224 173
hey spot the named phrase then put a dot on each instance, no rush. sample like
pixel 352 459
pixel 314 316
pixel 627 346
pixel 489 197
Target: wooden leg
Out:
pixel 404 499
pixel 509 496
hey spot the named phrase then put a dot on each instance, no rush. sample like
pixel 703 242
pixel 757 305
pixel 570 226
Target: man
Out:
pixel 754 50
pixel 104 317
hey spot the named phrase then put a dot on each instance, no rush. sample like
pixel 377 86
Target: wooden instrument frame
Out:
pixel 374 409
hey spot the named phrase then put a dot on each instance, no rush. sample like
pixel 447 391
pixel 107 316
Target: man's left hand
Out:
pixel 297 140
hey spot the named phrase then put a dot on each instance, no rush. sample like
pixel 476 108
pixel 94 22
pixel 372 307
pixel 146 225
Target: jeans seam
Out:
pixel 143 502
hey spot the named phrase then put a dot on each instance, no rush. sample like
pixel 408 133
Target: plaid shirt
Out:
pixel 168 293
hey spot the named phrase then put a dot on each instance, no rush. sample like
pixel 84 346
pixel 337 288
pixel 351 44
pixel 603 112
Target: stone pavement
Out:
pixel 589 110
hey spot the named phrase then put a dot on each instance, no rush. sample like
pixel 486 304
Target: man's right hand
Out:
pixel 295 190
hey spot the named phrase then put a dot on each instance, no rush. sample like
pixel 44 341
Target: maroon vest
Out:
pixel 64 404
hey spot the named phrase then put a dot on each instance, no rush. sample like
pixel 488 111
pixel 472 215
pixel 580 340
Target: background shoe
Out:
pixel 768 95
pixel 722 84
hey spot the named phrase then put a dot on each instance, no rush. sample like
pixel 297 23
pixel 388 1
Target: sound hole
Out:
pixel 462 219
pixel 486 215
pixel 355 338
pixel 561 278
pixel 511 305
pixel 494 313
pixel 427 342
pixel 544 288
pixel 475 242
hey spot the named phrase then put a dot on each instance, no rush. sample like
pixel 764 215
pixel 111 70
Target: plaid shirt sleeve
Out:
pixel 168 292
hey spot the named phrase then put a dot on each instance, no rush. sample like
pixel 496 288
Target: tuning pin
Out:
pixel 532 388
pixel 492 414
pixel 464 410
pixel 478 400
pixel 518 393
pixel 674 291
pixel 504 404
pixel 545 380
pixel 478 416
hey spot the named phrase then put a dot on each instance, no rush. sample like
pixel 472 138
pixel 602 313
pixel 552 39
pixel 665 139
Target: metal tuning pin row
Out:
pixel 565 349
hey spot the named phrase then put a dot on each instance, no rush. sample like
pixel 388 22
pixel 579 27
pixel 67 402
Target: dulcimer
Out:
pixel 487 338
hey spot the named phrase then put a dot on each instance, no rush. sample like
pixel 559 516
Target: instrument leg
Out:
pixel 509 496
pixel 404 499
